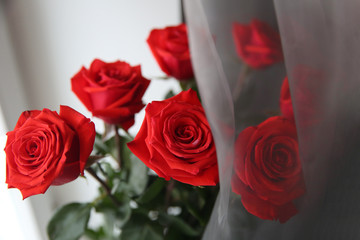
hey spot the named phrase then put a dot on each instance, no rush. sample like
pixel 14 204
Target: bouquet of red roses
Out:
pixel 163 182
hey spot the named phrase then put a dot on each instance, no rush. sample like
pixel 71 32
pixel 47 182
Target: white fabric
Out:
pixel 320 41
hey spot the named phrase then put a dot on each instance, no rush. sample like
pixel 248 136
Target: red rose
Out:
pixel 46 148
pixel 268 173
pixel 258 44
pixel 111 91
pixel 176 142
pixel 285 100
pixel 170 48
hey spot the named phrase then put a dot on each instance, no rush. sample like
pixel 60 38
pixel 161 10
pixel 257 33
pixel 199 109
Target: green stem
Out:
pixel 245 71
pixel 96 200
pixel 101 170
pixel 104 185
pixel 93 159
pixel 118 145
pixel 169 189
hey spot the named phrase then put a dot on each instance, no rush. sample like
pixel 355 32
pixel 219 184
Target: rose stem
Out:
pixel 245 70
pixel 169 189
pixel 101 169
pixel 118 144
pixel 104 185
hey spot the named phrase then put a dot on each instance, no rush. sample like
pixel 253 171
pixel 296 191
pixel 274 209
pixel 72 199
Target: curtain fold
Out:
pixel 321 57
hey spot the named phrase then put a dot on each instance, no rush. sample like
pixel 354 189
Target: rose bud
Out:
pixel 46 148
pixel 175 141
pixel 111 91
pixel 170 48
pixel 257 44
pixel 268 173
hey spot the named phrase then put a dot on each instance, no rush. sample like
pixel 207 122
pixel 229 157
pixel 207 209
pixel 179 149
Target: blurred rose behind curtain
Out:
pixel 320 43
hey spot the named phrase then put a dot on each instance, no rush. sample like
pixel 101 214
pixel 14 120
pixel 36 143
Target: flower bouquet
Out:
pixel 163 182
pixel 160 184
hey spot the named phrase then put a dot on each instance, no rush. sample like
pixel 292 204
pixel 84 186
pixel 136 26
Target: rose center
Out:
pixel 104 76
pixel 185 133
pixel 114 73
pixel 32 148
pixel 281 158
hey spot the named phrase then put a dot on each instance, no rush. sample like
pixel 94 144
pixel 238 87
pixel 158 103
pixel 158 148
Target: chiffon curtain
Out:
pixel 320 41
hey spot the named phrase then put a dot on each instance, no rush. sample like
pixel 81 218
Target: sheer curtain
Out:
pixel 321 57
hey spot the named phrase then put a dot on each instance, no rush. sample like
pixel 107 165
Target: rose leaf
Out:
pixel 69 222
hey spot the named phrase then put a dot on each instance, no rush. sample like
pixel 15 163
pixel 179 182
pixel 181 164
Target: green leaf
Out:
pixel 102 147
pixel 125 152
pixel 140 232
pixel 99 145
pixel 119 214
pixel 106 170
pixel 178 223
pixel 189 83
pixel 196 213
pixel 172 233
pixel 152 191
pixel 140 227
pixel 170 94
pixel 95 234
pixel 138 176
pixel 69 222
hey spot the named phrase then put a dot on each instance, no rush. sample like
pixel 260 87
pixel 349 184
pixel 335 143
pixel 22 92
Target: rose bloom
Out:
pixel 46 148
pixel 285 100
pixel 170 48
pixel 176 142
pixel 268 173
pixel 257 43
pixel 111 91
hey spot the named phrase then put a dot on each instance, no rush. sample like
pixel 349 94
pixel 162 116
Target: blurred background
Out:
pixel 42 45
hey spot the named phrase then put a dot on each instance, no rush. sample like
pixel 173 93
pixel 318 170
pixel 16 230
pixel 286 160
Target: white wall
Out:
pixel 50 42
